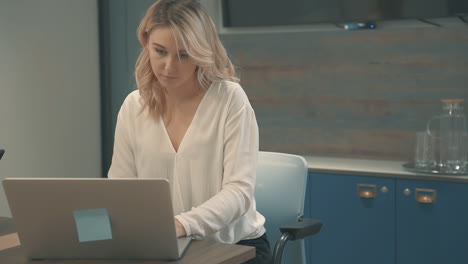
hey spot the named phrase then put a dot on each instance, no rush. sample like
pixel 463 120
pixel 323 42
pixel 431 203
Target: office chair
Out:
pixel 280 195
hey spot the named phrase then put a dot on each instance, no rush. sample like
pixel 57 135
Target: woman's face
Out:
pixel 173 68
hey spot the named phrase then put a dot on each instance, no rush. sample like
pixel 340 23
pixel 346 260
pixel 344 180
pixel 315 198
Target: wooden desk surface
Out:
pixel 199 252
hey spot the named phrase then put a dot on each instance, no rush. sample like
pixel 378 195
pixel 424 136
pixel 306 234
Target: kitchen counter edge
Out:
pixel 375 168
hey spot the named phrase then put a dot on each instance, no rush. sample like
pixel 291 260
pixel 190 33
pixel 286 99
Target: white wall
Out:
pixel 49 90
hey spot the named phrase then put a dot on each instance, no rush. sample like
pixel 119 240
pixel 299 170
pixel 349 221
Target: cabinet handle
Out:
pixel 367 190
pixel 425 195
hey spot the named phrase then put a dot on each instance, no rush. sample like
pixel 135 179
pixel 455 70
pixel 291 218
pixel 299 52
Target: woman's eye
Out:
pixel 183 56
pixel 160 51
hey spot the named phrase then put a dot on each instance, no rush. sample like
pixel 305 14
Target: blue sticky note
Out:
pixel 93 224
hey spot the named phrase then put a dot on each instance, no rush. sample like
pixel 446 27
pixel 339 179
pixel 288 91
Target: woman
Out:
pixel 191 122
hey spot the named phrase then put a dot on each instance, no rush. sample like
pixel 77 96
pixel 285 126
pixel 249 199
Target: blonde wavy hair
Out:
pixel 197 32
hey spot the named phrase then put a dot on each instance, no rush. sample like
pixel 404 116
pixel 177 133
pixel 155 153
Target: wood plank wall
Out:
pixel 357 94
pixel 329 92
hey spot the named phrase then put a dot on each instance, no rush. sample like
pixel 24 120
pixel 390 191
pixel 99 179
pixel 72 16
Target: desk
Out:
pixel 199 252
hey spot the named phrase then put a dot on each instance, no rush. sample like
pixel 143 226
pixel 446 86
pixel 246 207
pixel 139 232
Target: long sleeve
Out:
pixel 123 158
pixel 239 169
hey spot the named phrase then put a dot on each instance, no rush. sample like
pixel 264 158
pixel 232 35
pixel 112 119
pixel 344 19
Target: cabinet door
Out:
pixel 355 229
pixel 434 232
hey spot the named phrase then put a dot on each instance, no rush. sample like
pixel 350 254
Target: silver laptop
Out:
pixel 94 218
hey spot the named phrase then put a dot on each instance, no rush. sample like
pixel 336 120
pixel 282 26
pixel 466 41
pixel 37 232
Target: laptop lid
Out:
pixel 94 218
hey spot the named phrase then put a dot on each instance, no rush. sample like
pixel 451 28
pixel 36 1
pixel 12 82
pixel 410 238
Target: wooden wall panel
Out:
pixel 359 94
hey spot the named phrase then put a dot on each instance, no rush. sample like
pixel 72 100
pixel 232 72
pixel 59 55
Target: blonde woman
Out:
pixel 191 122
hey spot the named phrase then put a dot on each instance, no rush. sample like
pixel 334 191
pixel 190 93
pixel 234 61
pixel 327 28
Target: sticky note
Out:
pixel 92 224
pixel 9 241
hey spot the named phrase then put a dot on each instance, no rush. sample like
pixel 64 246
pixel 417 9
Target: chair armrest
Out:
pixel 302 229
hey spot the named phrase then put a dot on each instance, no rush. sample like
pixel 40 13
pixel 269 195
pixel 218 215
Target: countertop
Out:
pixel 378 168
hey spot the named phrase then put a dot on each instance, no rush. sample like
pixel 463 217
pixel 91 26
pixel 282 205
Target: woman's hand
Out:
pixel 180 230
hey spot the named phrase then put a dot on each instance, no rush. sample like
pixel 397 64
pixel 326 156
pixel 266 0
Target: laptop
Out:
pixel 94 218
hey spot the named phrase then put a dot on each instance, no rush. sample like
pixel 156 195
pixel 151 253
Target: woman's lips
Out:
pixel 168 77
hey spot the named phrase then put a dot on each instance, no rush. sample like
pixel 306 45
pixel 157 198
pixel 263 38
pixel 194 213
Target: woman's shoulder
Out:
pixel 230 91
pixel 227 86
pixel 132 102
pixel 133 97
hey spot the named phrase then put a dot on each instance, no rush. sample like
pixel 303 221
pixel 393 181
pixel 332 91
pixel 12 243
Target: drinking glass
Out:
pixel 424 156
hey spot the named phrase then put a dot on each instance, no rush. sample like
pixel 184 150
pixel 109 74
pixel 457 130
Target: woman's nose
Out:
pixel 170 63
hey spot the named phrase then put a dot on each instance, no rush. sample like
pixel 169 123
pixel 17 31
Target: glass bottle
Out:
pixel 452 135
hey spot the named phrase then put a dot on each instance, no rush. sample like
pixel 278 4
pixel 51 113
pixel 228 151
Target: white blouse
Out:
pixel 212 174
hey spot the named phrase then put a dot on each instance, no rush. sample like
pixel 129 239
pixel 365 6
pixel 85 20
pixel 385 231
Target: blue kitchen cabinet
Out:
pixel 431 222
pixel 407 222
pixel 356 229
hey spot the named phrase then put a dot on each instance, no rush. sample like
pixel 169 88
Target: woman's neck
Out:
pixel 182 95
